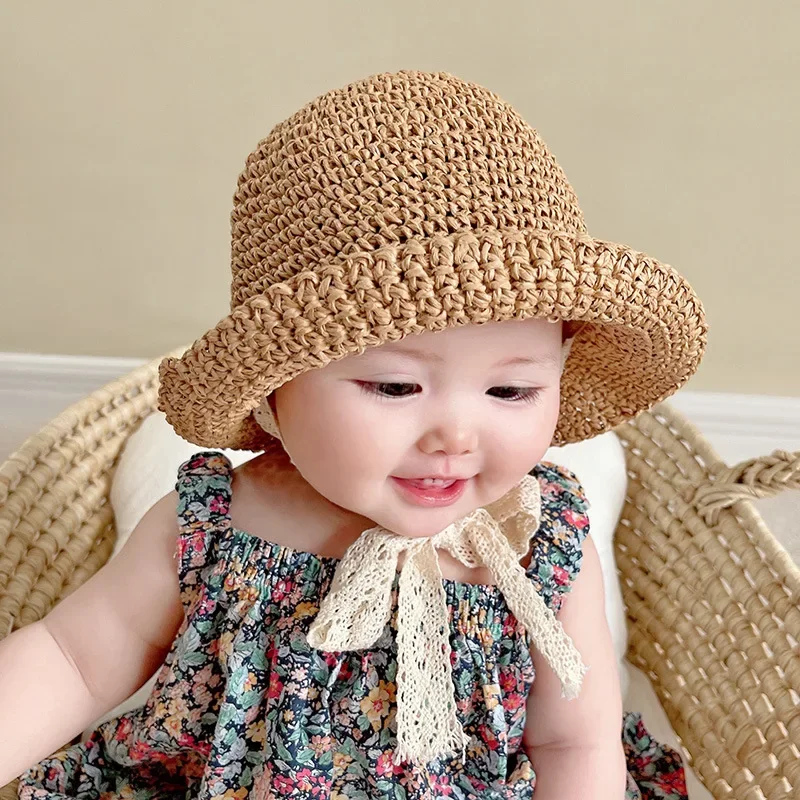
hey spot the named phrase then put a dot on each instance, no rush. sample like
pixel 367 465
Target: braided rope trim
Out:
pixel 755 478
pixel 651 337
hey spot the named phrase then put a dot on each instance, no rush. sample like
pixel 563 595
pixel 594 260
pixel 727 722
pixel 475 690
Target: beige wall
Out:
pixel 126 124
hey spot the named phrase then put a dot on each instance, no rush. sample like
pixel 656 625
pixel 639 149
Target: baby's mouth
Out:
pixel 431 491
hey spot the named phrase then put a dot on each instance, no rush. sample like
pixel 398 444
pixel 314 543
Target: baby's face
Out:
pixel 477 405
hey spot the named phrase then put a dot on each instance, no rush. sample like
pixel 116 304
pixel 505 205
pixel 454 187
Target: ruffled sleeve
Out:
pixel 557 551
pixel 203 485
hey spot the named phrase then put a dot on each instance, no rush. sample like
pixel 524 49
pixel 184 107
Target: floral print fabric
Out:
pixel 244 707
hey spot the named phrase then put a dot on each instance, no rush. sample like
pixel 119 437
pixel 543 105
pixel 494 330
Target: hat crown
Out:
pixel 392 158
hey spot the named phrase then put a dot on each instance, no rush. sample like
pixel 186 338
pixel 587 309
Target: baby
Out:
pixel 398 598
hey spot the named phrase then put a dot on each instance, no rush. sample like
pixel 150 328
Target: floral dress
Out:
pixel 243 706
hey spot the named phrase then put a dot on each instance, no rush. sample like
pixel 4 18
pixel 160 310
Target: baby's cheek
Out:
pixel 514 454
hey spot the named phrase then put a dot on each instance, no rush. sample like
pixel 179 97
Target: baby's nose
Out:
pixel 450 439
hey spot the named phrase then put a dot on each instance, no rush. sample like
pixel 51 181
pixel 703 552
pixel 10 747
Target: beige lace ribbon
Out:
pixel 354 613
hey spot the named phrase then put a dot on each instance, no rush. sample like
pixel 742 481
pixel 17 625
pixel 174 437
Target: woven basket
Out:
pixel 711 597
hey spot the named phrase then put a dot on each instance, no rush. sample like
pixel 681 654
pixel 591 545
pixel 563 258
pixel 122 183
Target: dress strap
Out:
pixel 557 552
pixel 203 485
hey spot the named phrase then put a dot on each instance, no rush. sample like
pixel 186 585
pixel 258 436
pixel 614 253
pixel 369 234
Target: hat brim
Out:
pixel 645 338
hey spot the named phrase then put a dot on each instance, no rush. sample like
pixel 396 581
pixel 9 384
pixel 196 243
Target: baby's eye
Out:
pixel 390 389
pixel 514 393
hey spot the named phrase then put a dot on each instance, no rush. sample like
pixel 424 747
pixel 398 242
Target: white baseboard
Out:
pixel 34 388
pixel 68 375
pixel 741 426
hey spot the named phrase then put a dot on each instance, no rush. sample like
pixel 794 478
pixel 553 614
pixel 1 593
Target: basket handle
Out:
pixel 748 480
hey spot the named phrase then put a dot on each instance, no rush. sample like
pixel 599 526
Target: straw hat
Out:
pixel 415 202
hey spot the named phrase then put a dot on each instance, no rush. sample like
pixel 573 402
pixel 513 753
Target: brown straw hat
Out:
pixel 414 202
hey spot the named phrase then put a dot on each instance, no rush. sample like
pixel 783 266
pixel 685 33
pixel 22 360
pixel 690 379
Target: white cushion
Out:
pixel 147 470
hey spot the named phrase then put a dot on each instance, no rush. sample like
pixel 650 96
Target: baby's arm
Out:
pixel 575 746
pixel 94 649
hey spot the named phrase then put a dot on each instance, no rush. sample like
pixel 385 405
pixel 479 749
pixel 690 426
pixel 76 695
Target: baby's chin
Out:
pixel 420 525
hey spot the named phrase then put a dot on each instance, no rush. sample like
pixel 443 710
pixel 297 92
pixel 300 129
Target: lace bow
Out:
pixel 354 613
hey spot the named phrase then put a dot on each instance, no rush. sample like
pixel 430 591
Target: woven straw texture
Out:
pixel 414 202
pixel 712 598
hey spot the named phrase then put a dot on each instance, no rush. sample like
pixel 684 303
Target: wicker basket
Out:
pixel 711 597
